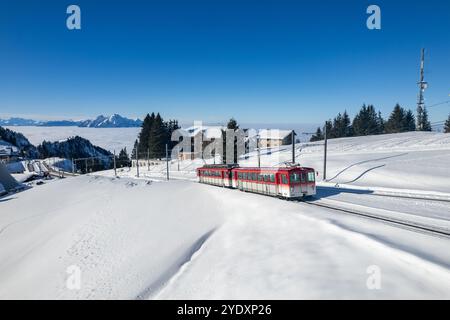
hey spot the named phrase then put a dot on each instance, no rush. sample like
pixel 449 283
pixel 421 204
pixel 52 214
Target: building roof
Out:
pixel 273 134
pixel 209 132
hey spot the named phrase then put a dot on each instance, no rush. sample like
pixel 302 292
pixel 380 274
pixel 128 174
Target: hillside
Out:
pixel 76 148
pixel 149 238
pixel 18 140
pixel 412 160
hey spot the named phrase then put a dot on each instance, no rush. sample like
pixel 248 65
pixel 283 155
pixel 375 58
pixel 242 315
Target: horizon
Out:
pixel 214 61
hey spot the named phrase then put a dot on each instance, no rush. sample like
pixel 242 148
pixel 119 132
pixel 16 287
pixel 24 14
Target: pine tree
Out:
pixel 336 129
pixel 396 121
pixel 366 122
pixel 426 125
pixel 346 125
pixel 171 126
pixel 157 138
pixel 409 123
pixel 447 125
pixel 380 123
pixel 123 160
pixel 328 128
pixel 144 135
pixel 135 150
pixel 232 124
pixel 317 136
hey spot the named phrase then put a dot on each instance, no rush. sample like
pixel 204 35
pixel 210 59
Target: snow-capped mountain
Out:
pixel 19 122
pixel 114 121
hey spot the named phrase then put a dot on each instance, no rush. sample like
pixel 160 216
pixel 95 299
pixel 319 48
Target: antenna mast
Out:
pixel 422 86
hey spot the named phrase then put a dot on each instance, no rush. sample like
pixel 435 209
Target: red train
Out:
pixel 288 182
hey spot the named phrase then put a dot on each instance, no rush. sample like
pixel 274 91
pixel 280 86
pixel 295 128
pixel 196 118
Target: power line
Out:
pixel 438 104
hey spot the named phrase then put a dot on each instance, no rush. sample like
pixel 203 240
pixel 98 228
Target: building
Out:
pixel 207 134
pixel 8 152
pixel 269 138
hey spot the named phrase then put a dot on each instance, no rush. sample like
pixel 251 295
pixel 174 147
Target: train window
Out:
pixel 295 177
pixel 239 175
pixel 254 176
pixel 272 178
pixel 260 177
pixel 311 177
pixel 284 179
pixel 303 177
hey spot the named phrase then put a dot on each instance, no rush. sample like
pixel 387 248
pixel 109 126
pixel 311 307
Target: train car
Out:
pixel 288 182
pixel 284 182
pixel 217 175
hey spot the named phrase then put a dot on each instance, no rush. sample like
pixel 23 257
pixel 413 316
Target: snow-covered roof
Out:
pixel 209 132
pixel 7 149
pixel 274 134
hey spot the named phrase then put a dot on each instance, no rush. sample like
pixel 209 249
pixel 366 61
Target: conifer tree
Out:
pixel 409 122
pixel 317 136
pixel 396 121
pixel 447 125
pixel 426 125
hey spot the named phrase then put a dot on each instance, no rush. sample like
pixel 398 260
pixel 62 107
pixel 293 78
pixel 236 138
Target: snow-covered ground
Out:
pixel 137 239
pixel 107 138
pixel 149 238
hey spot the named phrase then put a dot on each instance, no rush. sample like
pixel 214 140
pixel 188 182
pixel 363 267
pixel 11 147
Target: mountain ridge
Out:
pixel 101 121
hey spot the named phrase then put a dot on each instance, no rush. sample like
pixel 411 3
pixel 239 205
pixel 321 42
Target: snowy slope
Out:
pixel 413 161
pixel 148 238
pixel 125 236
pixel 140 239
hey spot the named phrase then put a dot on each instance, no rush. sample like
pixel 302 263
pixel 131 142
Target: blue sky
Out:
pixel 259 61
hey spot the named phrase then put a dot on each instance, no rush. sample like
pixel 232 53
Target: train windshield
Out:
pixel 311 177
pixel 295 177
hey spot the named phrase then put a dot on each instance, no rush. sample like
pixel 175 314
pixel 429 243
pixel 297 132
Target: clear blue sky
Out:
pixel 259 61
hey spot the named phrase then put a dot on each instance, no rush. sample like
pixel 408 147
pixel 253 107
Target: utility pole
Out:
pixel 325 143
pixel 73 167
pixel 148 159
pixel 115 171
pixel 167 160
pixel 259 151
pixel 293 146
pixel 422 86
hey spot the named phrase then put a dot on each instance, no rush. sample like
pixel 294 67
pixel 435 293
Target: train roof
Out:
pixel 236 167
pixel 273 168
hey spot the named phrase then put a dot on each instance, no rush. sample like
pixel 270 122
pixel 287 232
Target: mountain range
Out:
pixel 114 121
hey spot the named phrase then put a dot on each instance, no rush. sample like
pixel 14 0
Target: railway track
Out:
pixel 440 232
pixel 410 197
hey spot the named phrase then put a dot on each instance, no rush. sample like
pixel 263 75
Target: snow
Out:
pixel 149 238
pixel 126 236
pixel 298 256
pixel 135 239
pixel 7 148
